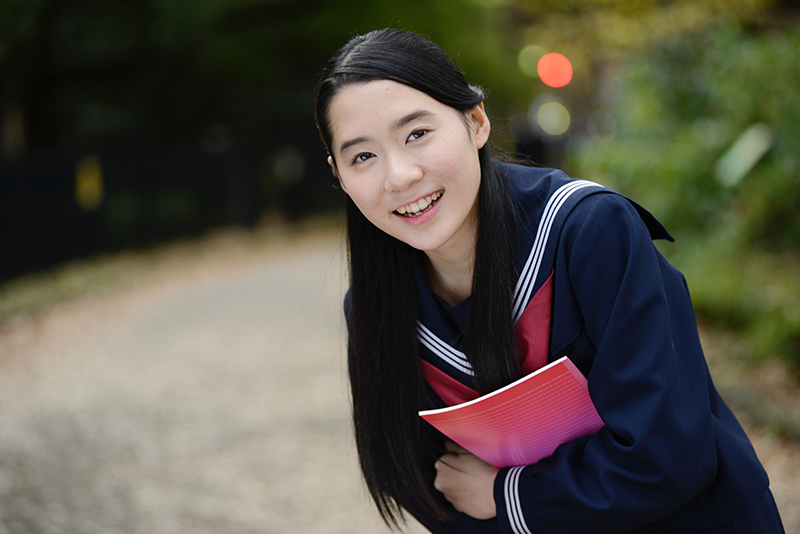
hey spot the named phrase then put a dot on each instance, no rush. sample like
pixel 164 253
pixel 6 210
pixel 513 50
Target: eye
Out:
pixel 417 134
pixel 362 157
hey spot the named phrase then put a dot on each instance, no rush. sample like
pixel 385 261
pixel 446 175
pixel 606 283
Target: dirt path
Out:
pixel 209 396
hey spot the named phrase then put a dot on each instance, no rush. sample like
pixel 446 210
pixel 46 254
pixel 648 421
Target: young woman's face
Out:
pixel 409 162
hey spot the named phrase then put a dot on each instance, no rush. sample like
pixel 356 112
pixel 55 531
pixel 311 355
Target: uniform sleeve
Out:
pixel 656 451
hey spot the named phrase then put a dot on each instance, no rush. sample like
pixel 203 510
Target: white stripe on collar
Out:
pixel 525 284
pixel 447 353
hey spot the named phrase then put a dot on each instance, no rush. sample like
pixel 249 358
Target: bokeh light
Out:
pixel 554 69
pixel 743 155
pixel 553 118
pixel 528 60
pixel 89 189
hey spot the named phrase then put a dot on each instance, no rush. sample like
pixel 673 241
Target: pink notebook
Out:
pixel 525 421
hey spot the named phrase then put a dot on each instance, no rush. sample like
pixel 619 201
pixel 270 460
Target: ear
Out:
pixel 336 173
pixel 481 127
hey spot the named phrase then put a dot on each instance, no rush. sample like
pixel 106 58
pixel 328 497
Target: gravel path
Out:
pixel 208 396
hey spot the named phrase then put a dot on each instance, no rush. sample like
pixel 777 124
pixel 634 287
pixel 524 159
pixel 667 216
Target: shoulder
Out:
pixel 606 210
pixel 533 188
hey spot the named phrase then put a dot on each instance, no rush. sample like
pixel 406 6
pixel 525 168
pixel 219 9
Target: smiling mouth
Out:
pixel 415 209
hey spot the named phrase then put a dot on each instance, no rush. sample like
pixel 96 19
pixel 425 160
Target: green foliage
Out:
pixel 590 31
pixel 680 107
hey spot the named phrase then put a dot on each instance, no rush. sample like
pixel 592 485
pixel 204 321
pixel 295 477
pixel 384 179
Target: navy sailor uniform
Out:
pixel 671 456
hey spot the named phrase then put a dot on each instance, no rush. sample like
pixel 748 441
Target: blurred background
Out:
pixel 127 126
pixel 125 123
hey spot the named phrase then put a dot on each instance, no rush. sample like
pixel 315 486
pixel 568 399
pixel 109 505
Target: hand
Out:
pixel 467 482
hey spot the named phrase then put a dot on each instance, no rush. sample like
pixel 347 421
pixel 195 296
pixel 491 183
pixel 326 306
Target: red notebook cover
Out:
pixel 525 421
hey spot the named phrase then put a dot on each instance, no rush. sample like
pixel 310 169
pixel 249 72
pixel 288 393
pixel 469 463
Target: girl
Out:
pixel 467 273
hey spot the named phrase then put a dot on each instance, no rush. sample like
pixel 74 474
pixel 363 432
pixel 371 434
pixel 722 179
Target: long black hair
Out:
pixel 386 381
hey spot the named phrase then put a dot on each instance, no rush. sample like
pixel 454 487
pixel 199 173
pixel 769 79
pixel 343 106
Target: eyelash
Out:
pixel 356 158
pixel 422 132
pixel 416 134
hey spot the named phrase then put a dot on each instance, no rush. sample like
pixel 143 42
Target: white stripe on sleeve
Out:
pixel 513 506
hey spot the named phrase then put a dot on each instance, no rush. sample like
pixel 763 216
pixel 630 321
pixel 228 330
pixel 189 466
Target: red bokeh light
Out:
pixel 554 70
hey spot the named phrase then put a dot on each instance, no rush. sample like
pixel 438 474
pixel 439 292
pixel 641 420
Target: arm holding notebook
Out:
pixel 467 482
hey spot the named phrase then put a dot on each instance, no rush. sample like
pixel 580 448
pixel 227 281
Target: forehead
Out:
pixel 371 107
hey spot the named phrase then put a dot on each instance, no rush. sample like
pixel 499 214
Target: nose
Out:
pixel 400 173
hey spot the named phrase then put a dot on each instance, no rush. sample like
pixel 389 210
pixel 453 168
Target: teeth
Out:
pixel 419 205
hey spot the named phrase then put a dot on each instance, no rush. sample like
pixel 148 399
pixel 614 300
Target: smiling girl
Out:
pixel 467 273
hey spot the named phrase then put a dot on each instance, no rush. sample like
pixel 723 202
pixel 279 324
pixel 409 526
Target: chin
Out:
pixel 426 246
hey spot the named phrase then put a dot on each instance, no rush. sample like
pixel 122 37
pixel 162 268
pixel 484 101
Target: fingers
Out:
pixel 448 461
pixel 451 459
pixel 466 482
pixel 449 478
pixel 455 448
pixel 444 476
pixel 457 458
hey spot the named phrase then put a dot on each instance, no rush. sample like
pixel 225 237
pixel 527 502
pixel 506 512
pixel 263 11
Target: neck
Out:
pixel 450 267
pixel 450 274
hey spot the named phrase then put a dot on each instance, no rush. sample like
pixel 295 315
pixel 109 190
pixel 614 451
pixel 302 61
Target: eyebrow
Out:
pixel 396 125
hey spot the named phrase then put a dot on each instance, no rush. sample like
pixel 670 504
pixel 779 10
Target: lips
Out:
pixel 415 209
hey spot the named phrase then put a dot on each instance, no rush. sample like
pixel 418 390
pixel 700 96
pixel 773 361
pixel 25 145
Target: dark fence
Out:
pixel 56 208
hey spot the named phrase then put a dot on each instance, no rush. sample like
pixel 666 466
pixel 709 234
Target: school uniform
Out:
pixel 671 457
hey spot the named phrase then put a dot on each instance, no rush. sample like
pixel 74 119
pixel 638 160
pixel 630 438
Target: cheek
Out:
pixel 457 153
pixel 365 193
pixel 462 168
